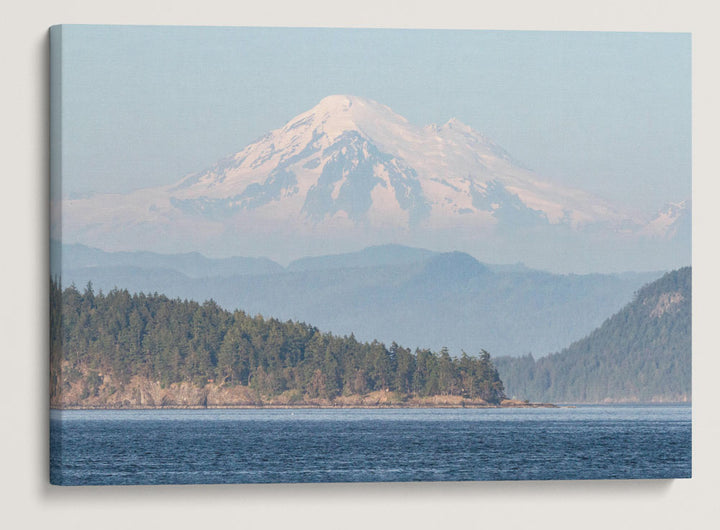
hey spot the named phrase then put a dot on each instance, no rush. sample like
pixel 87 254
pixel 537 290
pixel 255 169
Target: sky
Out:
pixel 607 112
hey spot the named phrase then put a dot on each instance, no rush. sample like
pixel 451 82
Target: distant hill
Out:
pixel 642 353
pixel 420 298
pixel 376 256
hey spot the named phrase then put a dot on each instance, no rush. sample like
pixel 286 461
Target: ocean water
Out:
pixel 361 445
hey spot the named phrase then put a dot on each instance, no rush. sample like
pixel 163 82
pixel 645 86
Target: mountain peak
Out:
pixel 454 123
pixel 337 102
pixel 340 113
pixel 345 104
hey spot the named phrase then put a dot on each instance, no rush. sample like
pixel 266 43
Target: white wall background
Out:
pixel 27 500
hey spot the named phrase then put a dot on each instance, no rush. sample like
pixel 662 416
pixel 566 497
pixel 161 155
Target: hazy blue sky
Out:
pixel 608 112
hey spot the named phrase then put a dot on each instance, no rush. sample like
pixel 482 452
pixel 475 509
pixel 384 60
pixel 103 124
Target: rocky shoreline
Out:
pixel 307 406
pixel 143 394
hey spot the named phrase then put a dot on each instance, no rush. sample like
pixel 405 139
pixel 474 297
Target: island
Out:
pixel 132 351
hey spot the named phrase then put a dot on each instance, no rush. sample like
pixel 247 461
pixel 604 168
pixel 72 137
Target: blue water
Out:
pixel 353 445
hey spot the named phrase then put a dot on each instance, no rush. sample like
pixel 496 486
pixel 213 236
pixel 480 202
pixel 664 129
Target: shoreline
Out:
pixel 312 406
pixel 397 406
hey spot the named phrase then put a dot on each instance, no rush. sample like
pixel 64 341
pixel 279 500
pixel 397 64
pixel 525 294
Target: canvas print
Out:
pixel 368 255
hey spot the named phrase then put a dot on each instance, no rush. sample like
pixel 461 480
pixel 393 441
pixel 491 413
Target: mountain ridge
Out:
pixel 440 299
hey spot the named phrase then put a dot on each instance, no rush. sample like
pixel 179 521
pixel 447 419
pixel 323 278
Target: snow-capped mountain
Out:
pixel 347 173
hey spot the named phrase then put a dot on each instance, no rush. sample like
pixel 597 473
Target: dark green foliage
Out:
pixel 642 353
pixel 172 341
pixel 56 335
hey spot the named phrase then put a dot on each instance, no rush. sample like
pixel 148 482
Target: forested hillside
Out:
pixel 100 343
pixel 642 353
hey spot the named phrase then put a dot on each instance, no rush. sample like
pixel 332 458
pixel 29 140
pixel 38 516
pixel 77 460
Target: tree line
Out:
pixel 173 340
